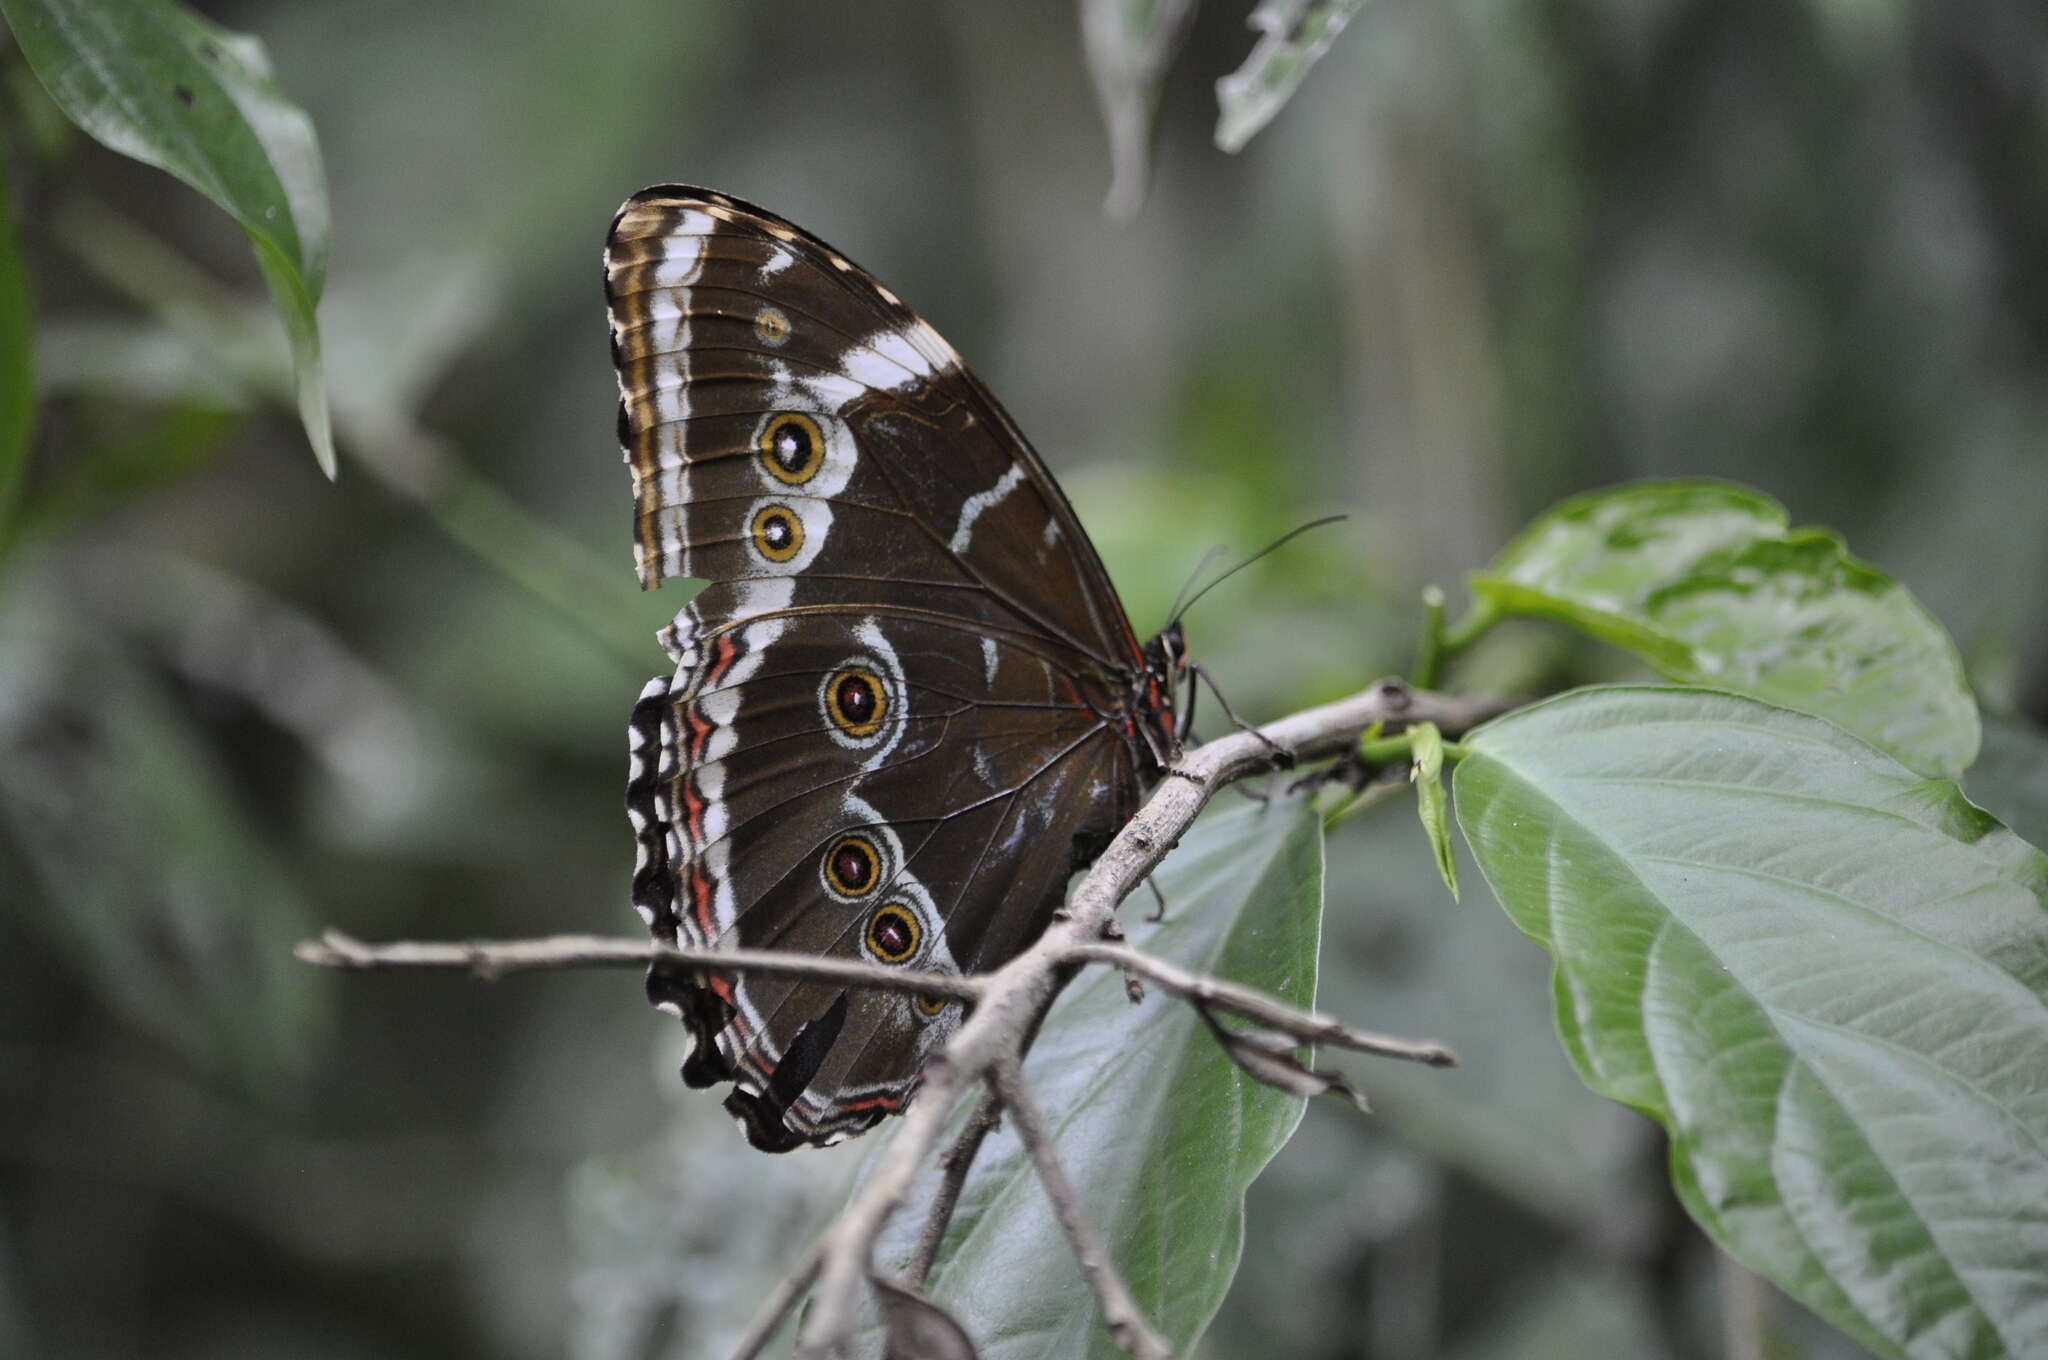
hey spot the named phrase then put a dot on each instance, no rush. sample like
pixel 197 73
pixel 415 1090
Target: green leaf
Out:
pixel 154 81
pixel 1129 44
pixel 1824 973
pixel 127 857
pixel 2011 776
pixel 1159 1130
pixel 1427 744
pixel 1705 583
pixel 1293 36
pixel 17 356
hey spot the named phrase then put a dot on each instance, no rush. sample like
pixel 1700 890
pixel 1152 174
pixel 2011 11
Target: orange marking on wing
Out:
pixel 700 899
pixel 874 1103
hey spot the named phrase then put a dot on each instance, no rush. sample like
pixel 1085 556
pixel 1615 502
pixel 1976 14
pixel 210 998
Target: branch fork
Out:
pixel 986 1053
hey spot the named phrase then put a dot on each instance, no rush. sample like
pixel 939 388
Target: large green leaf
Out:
pixel 1293 36
pixel 1824 973
pixel 1159 1130
pixel 2011 776
pixel 125 853
pixel 1706 583
pixel 17 355
pixel 152 80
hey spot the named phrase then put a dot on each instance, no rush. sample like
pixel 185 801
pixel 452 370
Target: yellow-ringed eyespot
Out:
pixel 856 701
pixel 852 866
pixel 893 934
pixel 778 533
pixel 792 447
pixel 771 324
pixel 930 1006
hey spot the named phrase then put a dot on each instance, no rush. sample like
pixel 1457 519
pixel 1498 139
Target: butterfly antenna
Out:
pixel 1180 608
pixel 1215 551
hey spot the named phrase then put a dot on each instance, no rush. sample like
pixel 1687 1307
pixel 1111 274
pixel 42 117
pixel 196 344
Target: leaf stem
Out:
pixel 1468 630
pixel 1383 751
pixel 1429 652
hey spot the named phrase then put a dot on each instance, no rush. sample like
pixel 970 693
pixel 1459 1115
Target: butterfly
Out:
pixel 908 704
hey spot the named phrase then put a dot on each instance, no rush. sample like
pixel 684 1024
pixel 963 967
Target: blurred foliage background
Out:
pixel 1495 252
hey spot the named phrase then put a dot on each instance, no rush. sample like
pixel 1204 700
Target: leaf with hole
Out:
pixel 1825 974
pixel 1705 582
pixel 158 83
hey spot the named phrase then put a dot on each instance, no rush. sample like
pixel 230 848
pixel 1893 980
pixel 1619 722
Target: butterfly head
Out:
pixel 1166 670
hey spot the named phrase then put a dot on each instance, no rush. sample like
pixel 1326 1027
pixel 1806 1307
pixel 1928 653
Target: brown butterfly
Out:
pixel 908 704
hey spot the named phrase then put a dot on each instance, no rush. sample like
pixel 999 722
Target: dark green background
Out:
pixel 1493 254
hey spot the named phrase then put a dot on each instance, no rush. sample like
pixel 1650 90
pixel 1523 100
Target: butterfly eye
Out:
pixel 852 866
pixel 792 446
pixel 778 533
pixel 930 1006
pixel 893 933
pixel 771 324
pixel 856 702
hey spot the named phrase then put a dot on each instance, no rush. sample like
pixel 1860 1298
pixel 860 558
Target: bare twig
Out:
pixel 1009 1003
pixel 1127 1321
pixel 1015 995
pixel 494 958
pixel 1267 1055
pixel 849 1244
pixel 779 1306
pixel 954 1165
pixel 1308 1026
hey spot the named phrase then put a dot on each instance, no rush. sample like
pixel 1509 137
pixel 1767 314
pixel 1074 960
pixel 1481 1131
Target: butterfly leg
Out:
pixel 1134 986
pixel 1158 912
pixel 1282 757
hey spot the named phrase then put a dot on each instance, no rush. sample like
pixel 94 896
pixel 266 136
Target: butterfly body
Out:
pixel 907 704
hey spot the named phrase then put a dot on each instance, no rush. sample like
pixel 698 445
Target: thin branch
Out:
pixel 779 1306
pixel 1009 1002
pixel 1127 1321
pixel 849 1244
pixel 1015 995
pixel 494 958
pixel 1268 1055
pixel 1311 1027
pixel 954 1164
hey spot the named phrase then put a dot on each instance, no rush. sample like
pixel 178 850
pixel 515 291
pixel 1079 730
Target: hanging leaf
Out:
pixel 1705 582
pixel 1826 975
pixel 17 356
pixel 1293 36
pixel 154 81
pixel 1427 743
pixel 1129 44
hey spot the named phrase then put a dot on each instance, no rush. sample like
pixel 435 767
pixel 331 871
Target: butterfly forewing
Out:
pixel 757 366
pixel 903 708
